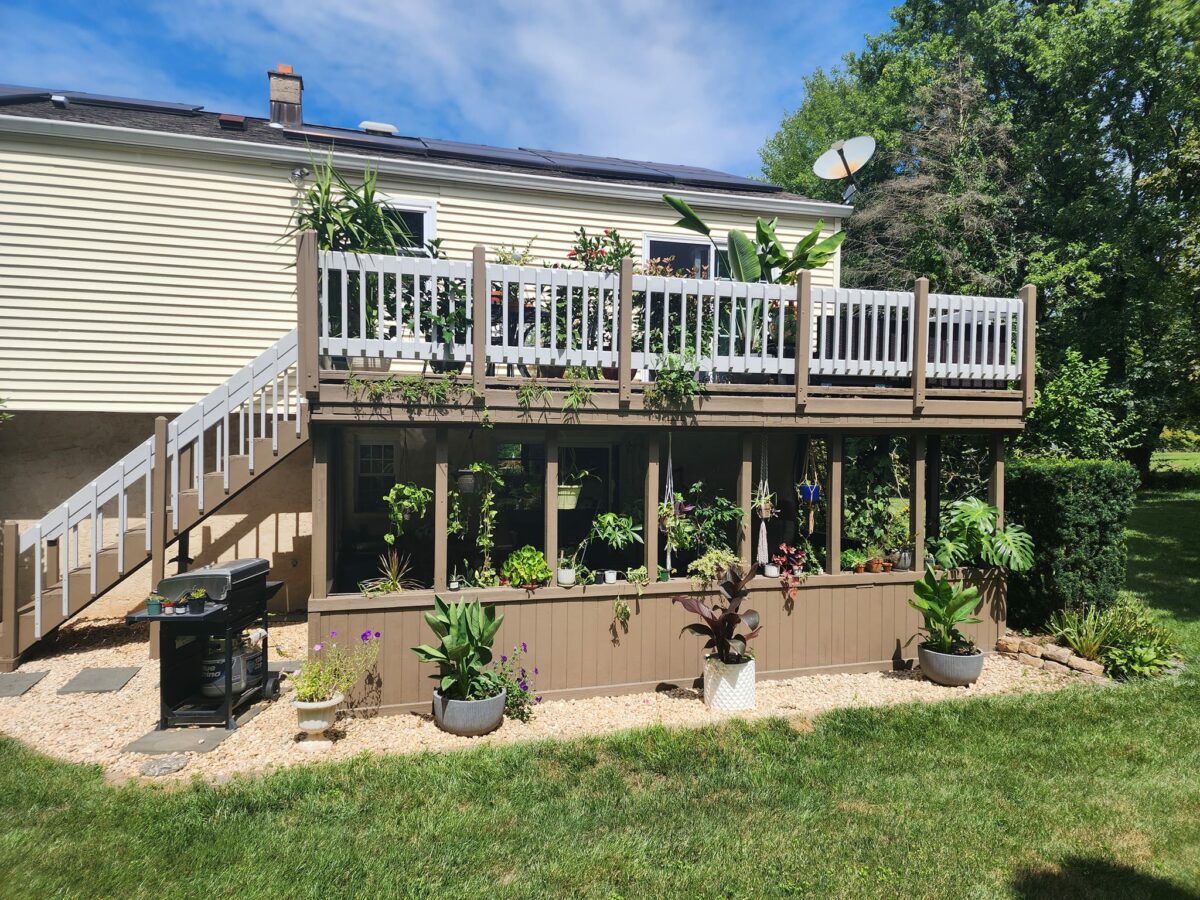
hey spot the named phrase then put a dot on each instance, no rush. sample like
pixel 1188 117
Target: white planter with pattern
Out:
pixel 728 688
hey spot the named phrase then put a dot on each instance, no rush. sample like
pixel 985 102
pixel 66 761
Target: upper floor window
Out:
pixel 419 218
pixel 692 258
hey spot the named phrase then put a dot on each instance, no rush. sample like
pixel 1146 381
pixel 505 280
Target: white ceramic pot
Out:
pixel 610 576
pixel 771 570
pixel 568 495
pixel 566 577
pixel 454 585
pixel 728 688
pixel 317 717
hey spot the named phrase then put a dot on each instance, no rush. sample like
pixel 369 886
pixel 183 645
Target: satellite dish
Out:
pixel 843 159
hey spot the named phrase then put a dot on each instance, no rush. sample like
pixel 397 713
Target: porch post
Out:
pixel 1028 356
pixel 933 487
pixel 625 333
pixel 158 519
pixel 481 317
pixel 9 620
pixel 803 337
pixel 551 504
pixel 744 482
pixel 307 352
pixel 320 512
pixel 441 490
pixel 833 518
pixel 916 503
pixel 650 526
pixel 996 481
pixel 920 326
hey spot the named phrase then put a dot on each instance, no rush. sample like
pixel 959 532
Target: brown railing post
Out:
pixel 744 482
pixel 833 516
pixel 625 332
pixel 650 526
pixel 9 620
pixel 551 494
pixel 916 508
pixel 307 353
pixel 1029 302
pixel 319 438
pixel 158 519
pixel 920 326
pixel 481 317
pixel 441 515
pixel 803 337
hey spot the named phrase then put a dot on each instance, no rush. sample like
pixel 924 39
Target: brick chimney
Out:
pixel 287 89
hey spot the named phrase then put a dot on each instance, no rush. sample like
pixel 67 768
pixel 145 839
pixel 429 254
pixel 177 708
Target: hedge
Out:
pixel 1076 511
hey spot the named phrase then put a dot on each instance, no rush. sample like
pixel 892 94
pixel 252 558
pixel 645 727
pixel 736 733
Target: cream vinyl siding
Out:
pixel 137 279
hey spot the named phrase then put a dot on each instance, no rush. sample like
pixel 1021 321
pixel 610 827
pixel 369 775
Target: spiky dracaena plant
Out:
pixel 721 622
pixel 467 631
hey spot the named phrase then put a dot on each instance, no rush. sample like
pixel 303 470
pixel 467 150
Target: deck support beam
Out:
pixel 933 486
pixel 920 326
pixel 744 485
pixel 9 619
pixel 803 337
pixel 996 479
pixel 833 509
pixel 441 499
pixel 650 526
pixel 551 504
pixel 481 318
pixel 320 511
pixel 1029 340
pixel 308 354
pixel 916 505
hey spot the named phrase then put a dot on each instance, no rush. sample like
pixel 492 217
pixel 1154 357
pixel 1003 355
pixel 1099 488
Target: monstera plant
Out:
pixel 729 673
pixel 764 258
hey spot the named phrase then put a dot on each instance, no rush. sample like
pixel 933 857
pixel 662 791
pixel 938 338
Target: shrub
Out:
pixel 1075 510
pixel 1137 644
pixel 1179 440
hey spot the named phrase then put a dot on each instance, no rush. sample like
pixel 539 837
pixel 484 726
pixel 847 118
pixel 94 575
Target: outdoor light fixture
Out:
pixel 298 175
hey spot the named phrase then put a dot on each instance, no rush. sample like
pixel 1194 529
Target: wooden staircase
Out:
pixel 246 427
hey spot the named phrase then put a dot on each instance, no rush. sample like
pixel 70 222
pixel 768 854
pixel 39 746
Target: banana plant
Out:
pixel 764 258
pixel 467 631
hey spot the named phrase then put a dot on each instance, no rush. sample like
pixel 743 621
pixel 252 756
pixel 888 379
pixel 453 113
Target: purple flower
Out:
pixel 377 634
pixel 524 686
pixel 524 647
pixel 318 647
pixel 535 671
pixel 522 671
pixel 333 634
pixel 537 699
pixel 503 659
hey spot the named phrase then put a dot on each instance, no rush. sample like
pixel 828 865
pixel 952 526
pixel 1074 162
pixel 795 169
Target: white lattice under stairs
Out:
pixel 103 533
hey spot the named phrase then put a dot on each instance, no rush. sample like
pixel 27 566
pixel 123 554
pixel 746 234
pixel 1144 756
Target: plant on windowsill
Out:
pixel 469 699
pixel 405 502
pixel 617 532
pixel 874 554
pixel 327 676
pixel 853 560
pixel 710 565
pixel 639 577
pixel 392 578
pixel 154 604
pixel 526 568
pixel 196 599
pixel 729 670
pixel 793 565
pixel 946 656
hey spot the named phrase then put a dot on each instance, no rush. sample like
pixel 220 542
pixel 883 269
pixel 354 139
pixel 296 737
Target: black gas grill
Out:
pixel 238 592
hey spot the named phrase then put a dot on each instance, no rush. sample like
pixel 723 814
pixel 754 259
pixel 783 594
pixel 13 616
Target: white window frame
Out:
pixel 360 443
pixel 425 206
pixel 649 236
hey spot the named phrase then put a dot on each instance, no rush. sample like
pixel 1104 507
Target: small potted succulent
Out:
pixel 154 604
pixel 455 581
pixel 729 674
pixel 168 607
pixel 946 656
pixel 469 699
pixel 526 568
pixel 196 599
pixel 763 503
pixel 853 560
pixel 324 679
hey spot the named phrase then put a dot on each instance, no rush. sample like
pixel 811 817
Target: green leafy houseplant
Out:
pixel 527 568
pixel 615 530
pixel 392 578
pixel 851 559
pixel 944 606
pixel 971 535
pixel 709 566
pixel 675 385
pixel 405 501
pixel 333 669
pixel 639 577
pixel 467 632
pixel 720 622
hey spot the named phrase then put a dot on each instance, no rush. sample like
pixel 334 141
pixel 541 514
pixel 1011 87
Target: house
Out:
pixel 231 393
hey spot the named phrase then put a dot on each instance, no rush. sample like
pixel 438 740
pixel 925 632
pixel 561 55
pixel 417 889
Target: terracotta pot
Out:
pixel 887 565
pixel 874 566
pixel 860 567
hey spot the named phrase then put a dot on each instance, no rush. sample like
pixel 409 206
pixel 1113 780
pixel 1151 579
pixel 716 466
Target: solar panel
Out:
pixel 580 164
pixel 183 109
pixel 711 178
pixel 15 93
pixel 483 153
pixel 357 139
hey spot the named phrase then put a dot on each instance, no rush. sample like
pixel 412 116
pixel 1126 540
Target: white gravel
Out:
pixel 93 728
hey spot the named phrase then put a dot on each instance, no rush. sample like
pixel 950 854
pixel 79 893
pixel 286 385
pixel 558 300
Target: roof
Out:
pixel 191 119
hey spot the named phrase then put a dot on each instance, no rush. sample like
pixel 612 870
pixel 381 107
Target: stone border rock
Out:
pixel 1039 653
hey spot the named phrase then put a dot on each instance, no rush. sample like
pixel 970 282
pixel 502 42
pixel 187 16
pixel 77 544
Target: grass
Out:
pixel 1089 792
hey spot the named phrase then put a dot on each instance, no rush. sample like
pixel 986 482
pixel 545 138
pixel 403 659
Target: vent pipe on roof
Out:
pixel 287 89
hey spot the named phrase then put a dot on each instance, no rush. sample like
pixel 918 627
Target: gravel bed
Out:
pixel 93 728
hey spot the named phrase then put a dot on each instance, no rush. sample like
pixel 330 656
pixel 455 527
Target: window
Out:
pixel 688 255
pixel 419 218
pixel 374 476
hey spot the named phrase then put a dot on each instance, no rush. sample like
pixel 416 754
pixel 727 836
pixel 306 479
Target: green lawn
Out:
pixel 1090 792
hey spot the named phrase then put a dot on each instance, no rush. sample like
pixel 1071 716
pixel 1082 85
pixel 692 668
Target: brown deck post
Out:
pixel 441 513
pixel 650 526
pixel 625 333
pixel 916 504
pixel 744 482
pixel 158 518
pixel 320 512
pixel 803 337
pixel 920 325
pixel 307 353
pixel 933 487
pixel 996 481
pixel 481 317
pixel 833 517
pixel 9 620
pixel 1029 357
pixel 551 503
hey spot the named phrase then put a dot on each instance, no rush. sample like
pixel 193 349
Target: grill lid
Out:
pixel 218 579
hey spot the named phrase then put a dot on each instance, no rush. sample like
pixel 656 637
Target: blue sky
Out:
pixel 701 83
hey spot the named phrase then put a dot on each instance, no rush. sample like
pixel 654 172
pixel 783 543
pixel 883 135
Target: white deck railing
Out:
pixel 257 401
pixel 415 308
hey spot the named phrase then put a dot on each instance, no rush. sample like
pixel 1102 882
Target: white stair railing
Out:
pixel 267 386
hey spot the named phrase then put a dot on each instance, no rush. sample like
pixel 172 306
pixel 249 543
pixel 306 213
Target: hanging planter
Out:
pixel 468 481
pixel 810 494
pixel 568 495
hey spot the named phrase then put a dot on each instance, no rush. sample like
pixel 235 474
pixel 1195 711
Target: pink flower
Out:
pixel 318 647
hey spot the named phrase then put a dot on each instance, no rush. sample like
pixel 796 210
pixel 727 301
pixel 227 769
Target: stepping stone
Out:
pixel 284 665
pixel 187 740
pixel 164 765
pixel 100 681
pixel 17 683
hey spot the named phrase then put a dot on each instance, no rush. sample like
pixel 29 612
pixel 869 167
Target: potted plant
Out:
pixel 168 607
pixel 570 486
pixel 566 568
pixel 324 679
pixel 809 492
pixel 763 503
pixel 729 669
pixel 443 328
pixel 195 601
pixel 946 656
pixel 771 569
pixel 853 560
pixel 618 532
pixel 793 565
pixel 404 503
pixel 874 563
pixel 154 604
pixel 466 480
pixel 638 577
pixel 469 700
pixel 526 568
pixel 455 581
pixel 709 565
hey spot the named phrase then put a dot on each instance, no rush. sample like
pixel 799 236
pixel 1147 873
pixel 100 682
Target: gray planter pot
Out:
pixel 950 669
pixel 469 718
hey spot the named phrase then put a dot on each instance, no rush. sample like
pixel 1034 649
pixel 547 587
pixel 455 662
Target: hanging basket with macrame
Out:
pixel 764 506
pixel 808 491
